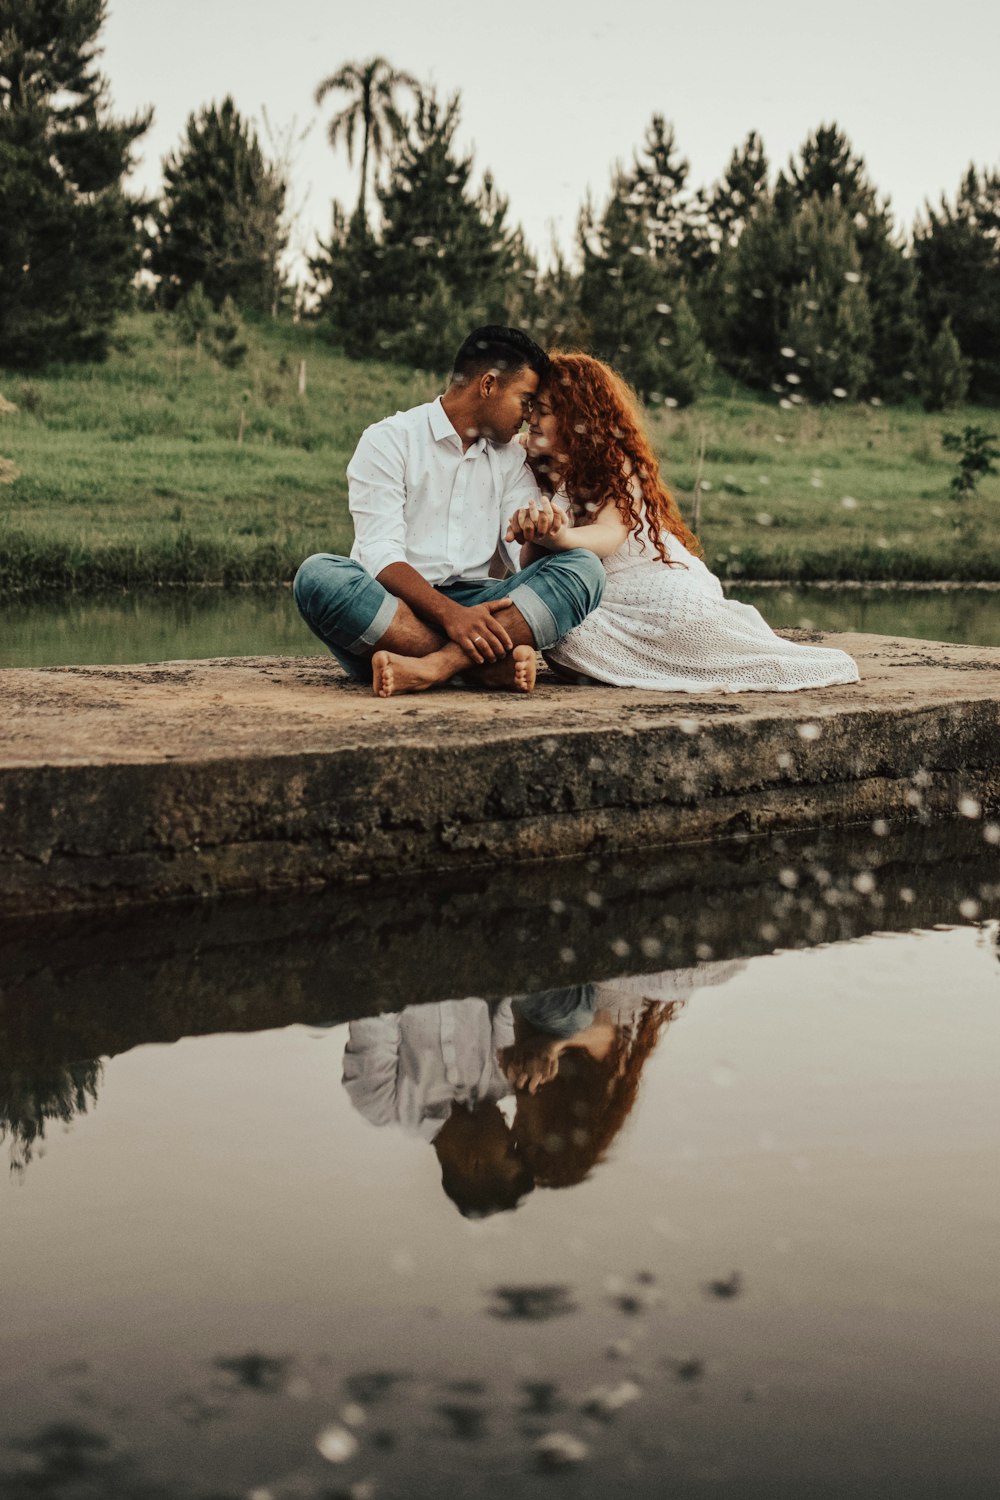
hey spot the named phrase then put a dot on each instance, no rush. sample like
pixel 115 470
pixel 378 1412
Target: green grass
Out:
pixel 130 472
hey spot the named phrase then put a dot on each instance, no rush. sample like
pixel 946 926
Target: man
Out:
pixel 434 1070
pixel 433 493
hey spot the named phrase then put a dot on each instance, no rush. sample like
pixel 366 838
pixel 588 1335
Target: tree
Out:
pixel 796 314
pixel 829 319
pixel 30 1101
pixel 946 373
pixel 715 224
pixel 220 223
pixel 443 260
pixel 654 190
pixel 632 295
pixel 743 184
pixel 371 110
pixel 976 458
pixel 68 230
pixel 829 169
pixel 559 321
pixel 957 252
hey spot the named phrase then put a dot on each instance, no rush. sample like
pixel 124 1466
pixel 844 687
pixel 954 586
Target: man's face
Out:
pixel 506 405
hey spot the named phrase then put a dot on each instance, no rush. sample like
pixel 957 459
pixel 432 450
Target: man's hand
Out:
pixel 481 637
pixel 532 522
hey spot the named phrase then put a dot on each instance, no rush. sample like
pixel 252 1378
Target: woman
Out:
pixel 577 1058
pixel 575 1093
pixel 664 621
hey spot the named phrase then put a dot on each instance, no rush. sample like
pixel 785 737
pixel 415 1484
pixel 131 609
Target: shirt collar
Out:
pixel 442 427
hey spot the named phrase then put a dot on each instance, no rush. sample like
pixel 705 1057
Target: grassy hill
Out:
pixel 133 471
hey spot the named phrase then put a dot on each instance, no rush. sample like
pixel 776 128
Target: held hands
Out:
pixel 531 1062
pixel 481 637
pixel 539 522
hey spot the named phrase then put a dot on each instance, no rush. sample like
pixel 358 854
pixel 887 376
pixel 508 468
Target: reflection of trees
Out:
pixel 30 1101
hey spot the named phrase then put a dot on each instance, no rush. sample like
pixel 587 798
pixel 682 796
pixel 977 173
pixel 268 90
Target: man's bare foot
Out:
pixel 393 674
pixel 516 673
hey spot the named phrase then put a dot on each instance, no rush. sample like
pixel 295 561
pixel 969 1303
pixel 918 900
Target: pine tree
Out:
pixel 559 322
pixel 957 252
pixel 219 224
pixel 796 314
pixel 753 286
pixel 341 273
pixel 655 190
pixel 715 225
pixel 632 295
pixel 829 169
pixel 743 184
pixel 444 258
pixel 68 230
pixel 946 373
pixel 828 327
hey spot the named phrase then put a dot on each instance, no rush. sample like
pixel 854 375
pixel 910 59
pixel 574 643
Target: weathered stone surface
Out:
pixel 125 784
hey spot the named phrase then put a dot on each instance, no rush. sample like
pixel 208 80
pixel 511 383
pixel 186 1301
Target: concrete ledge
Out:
pixel 140 783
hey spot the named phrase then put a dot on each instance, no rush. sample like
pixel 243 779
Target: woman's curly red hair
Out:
pixel 601 448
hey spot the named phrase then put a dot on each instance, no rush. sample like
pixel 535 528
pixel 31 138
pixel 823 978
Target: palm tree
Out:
pixel 372 107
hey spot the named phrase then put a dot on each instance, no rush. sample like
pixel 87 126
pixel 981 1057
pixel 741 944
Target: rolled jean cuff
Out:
pixel 384 616
pixel 537 616
pixel 559 1013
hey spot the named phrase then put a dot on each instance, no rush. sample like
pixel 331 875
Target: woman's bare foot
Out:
pixel 393 674
pixel 516 673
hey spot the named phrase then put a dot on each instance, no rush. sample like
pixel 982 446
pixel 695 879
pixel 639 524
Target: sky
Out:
pixel 553 94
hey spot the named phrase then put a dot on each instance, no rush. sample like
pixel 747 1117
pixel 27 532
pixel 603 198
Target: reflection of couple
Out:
pixel 607 580
pixel 572 1058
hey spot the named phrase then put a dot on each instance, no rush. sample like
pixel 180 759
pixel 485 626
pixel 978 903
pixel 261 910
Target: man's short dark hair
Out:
pixel 506 350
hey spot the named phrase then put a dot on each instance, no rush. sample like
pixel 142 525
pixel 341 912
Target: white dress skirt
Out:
pixel 672 629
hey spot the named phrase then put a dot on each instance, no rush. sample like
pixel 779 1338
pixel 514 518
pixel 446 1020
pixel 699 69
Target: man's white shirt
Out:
pixel 408 1068
pixel 416 497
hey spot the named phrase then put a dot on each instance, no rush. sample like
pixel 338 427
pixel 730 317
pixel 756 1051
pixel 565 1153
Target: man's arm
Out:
pixel 376 497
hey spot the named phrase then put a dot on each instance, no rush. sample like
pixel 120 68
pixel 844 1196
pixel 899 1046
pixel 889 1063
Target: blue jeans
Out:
pixel 560 1013
pixel 350 611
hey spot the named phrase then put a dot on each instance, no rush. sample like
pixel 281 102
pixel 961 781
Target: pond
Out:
pixel 673 1175
pixel 179 624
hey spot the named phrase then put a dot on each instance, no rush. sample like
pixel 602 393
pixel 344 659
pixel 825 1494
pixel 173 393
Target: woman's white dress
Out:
pixel 673 629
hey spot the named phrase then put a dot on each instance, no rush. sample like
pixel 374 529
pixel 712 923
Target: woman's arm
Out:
pixel 603 535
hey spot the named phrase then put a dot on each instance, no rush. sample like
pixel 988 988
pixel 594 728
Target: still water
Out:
pixel 676 1176
pixel 179 624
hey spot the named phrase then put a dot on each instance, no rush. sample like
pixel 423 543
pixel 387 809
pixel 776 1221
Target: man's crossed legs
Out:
pixel 377 638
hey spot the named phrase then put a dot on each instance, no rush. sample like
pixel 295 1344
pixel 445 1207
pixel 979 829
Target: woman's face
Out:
pixel 542 433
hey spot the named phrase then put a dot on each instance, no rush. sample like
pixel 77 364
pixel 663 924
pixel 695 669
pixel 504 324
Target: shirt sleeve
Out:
pixel 376 497
pixel 371 1067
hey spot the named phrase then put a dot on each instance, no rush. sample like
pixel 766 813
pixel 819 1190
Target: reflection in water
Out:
pixel 571 1060
pixel 30 1101
pixel 202 1299
pixel 433 1069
